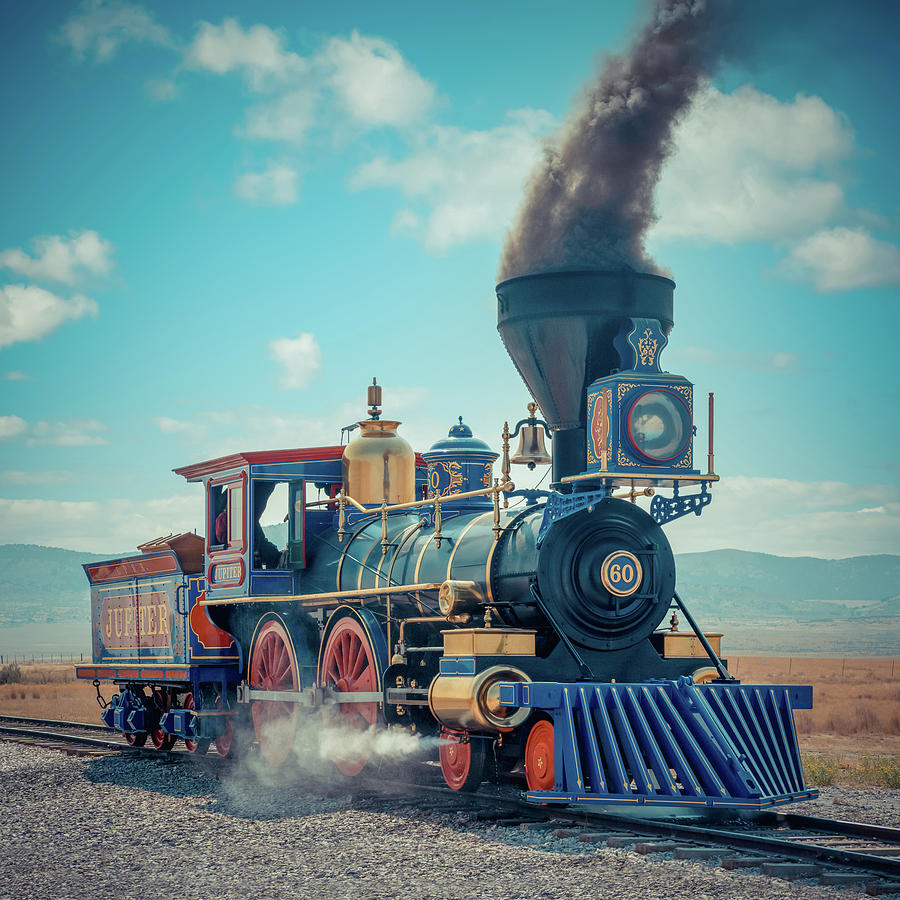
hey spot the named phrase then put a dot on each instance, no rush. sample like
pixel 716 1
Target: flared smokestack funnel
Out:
pixel 558 327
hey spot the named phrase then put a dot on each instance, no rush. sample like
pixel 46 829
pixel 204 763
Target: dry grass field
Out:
pixel 50 691
pixel 852 735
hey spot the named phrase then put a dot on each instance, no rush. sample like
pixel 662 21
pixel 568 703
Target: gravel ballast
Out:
pixel 113 827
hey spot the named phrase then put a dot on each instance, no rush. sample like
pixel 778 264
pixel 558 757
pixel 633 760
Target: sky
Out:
pixel 222 219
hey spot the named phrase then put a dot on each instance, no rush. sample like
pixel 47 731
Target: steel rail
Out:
pixel 857 860
pixel 58 723
pixel 55 737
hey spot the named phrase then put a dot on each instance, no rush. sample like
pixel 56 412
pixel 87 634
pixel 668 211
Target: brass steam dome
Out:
pixel 379 466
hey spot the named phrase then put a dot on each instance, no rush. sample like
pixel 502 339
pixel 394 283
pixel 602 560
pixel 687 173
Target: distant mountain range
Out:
pixel 761 602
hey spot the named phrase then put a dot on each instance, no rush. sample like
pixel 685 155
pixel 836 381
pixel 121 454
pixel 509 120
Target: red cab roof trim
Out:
pixel 260 457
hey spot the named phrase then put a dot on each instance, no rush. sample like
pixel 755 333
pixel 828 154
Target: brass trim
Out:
pixel 309 599
pixel 428 541
pixel 500 530
pixel 655 480
pixel 346 551
pixel 609 582
pixel 362 566
pixel 459 540
pixel 127 587
pixel 418 504
pixel 405 535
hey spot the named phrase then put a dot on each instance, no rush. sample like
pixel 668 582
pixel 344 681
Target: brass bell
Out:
pixel 532 451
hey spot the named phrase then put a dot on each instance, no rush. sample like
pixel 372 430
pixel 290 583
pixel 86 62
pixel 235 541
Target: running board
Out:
pixel 671 743
pixel 313 696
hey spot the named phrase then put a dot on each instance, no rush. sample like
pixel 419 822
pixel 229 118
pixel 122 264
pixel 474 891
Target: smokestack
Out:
pixel 590 203
pixel 558 327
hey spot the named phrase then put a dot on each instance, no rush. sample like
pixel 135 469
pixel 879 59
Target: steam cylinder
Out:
pixel 558 327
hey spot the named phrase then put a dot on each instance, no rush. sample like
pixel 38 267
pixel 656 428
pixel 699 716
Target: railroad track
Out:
pixel 778 844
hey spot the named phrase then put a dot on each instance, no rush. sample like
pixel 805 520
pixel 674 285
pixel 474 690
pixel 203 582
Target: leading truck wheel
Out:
pixel 349 663
pixel 539 765
pixel 273 667
pixel 462 760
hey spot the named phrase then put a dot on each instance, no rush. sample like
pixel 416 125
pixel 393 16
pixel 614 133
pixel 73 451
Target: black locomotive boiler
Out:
pixel 425 592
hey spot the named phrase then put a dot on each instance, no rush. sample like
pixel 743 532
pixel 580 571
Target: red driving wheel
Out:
pixel 462 760
pixel 162 740
pixel 273 667
pixel 199 746
pixel 539 767
pixel 348 664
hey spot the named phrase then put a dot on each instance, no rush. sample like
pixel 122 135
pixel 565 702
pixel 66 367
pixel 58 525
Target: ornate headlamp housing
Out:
pixel 640 419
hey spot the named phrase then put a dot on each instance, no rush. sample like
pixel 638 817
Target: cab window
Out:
pixel 226 515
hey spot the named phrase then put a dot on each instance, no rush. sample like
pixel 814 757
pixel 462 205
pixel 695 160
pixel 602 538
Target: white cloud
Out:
pixel 57 258
pixel 794 518
pixel 112 526
pixel 286 119
pixel 171 426
pixel 843 259
pixel 29 313
pixel 215 433
pixel 11 427
pixel 467 182
pixel 375 84
pixel 258 53
pixel 102 26
pixel 47 477
pixel 161 89
pixel 300 359
pixel 749 167
pixel 16 375
pixel 276 186
pixel 69 433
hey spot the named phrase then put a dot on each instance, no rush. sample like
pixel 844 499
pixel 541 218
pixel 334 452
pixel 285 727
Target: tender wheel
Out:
pixel 135 738
pixel 349 664
pixel 226 744
pixel 200 746
pixel 539 766
pixel 462 760
pixel 161 740
pixel 273 667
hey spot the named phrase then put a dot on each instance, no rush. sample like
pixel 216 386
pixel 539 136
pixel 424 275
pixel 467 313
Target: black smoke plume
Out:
pixel 590 202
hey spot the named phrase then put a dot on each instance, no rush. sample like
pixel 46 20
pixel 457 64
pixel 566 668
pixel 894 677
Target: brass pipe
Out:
pixel 337 499
pixel 633 494
pixel 504 462
pixel 332 595
pixel 437 522
pixel 416 619
pixel 417 504
pixel 709 464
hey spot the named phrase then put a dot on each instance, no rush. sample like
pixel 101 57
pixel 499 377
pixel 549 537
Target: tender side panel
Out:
pixel 138 610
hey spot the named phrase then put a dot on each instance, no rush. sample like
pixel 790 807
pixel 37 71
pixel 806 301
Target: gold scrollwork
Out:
pixel 647 346
pixel 454 473
pixel 488 474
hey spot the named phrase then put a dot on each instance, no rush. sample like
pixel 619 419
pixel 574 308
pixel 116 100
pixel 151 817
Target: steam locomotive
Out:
pixel 525 629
